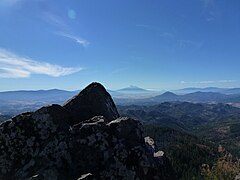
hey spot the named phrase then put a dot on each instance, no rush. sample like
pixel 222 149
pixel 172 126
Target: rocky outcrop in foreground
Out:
pixel 83 139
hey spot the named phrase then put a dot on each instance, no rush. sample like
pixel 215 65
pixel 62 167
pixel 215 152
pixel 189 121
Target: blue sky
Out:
pixel 155 44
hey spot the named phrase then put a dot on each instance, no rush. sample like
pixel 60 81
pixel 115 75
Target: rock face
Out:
pixel 64 142
pixel 94 100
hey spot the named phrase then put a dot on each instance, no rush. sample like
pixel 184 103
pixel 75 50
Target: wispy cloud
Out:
pixel 144 25
pixel 54 20
pixel 14 66
pixel 63 29
pixel 209 10
pixel 209 81
pixel 77 39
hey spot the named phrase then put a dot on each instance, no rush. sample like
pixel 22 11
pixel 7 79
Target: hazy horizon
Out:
pixel 149 89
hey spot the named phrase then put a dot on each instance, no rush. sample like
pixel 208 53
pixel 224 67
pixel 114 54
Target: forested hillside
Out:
pixel 194 136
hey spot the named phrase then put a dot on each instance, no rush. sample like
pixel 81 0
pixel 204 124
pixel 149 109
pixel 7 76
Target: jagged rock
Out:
pixel 94 100
pixel 47 145
pixel 31 142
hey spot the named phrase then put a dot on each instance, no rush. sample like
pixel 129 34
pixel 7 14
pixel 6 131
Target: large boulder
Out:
pixel 116 150
pixel 33 142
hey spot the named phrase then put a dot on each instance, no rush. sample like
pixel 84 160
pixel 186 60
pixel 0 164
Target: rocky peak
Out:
pixel 49 145
pixel 92 101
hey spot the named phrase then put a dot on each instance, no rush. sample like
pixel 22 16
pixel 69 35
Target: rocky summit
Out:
pixel 94 100
pixel 83 139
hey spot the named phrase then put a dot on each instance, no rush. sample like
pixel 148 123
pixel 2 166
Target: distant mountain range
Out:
pixel 206 97
pixel 14 102
pixel 208 89
pixel 196 97
pixel 135 89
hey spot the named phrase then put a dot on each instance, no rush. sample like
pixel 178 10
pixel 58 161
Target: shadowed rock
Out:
pixel 94 100
pixel 43 145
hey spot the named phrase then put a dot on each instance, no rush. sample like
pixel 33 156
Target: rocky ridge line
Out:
pixel 83 139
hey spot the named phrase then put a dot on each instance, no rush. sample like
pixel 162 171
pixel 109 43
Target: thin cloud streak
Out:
pixel 14 66
pixel 77 39
pixel 54 20
pixel 209 82
pixel 63 29
pixel 144 26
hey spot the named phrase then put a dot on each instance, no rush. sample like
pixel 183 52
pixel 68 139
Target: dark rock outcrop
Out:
pixel 47 145
pixel 94 100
